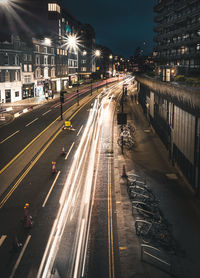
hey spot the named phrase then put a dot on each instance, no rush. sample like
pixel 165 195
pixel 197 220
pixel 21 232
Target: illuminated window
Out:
pixel 37 58
pixel 58 51
pixel 7 76
pixel 37 73
pixel 53 72
pixel 17 75
pixel 30 68
pixel 25 67
pixel 53 7
pixel 83 69
pixel 46 72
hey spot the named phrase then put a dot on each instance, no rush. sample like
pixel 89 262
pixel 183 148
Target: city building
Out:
pixel 177 37
pixel 11 70
pixel 50 51
pixel 105 66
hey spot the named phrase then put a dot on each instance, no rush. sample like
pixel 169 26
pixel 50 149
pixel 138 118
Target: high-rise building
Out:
pixel 178 34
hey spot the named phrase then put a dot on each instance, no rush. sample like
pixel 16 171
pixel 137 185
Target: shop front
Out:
pixel 39 88
pixel 27 90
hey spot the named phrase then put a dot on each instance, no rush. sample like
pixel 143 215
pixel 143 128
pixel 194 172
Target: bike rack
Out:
pixel 145 222
pixel 157 258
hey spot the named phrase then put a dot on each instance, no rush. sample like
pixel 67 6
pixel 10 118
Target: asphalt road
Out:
pixel 34 189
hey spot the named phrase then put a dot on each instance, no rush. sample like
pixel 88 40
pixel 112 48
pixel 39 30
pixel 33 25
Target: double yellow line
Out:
pixel 110 226
pixel 2 203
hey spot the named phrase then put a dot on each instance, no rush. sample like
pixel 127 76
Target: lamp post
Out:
pixel 97 53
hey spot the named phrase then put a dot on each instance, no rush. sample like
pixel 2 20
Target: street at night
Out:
pixel 99 139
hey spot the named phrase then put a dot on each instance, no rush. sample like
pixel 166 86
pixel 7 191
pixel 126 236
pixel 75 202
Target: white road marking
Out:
pixel 46 112
pixel 9 136
pixel 79 130
pixel 2 238
pixel 47 197
pixel 20 257
pixel 69 151
pixel 32 122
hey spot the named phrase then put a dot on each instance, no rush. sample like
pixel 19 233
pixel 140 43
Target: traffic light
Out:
pixel 62 97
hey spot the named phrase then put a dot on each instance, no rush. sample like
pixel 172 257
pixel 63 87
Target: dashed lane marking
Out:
pixel 9 136
pixel 20 257
pixel 32 122
pixel 79 130
pixel 69 151
pixel 47 197
pixel 46 112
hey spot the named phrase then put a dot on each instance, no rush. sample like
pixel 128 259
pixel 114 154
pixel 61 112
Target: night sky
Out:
pixel 121 25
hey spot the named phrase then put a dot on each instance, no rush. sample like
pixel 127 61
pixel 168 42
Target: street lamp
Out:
pixel 97 53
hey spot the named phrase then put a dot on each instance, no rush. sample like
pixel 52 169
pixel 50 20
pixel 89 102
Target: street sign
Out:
pixel 67 123
pixel 121 118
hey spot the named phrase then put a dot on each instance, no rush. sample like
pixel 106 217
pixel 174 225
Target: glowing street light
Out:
pixel 110 57
pixel 4 2
pixel 97 53
pixel 47 41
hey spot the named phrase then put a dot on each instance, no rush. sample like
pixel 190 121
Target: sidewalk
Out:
pixel 8 110
pixel 149 160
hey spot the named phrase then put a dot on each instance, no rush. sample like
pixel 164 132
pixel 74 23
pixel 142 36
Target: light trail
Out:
pixel 77 195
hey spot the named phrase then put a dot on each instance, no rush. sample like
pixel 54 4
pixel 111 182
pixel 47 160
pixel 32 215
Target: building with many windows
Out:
pixel 177 36
pixel 11 70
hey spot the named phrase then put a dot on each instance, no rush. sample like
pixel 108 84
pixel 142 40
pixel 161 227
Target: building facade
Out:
pixel 39 61
pixel 177 35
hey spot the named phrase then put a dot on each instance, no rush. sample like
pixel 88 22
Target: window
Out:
pixel 27 79
pixel 17 75
pixel 52 60
pixel 75 63
pixel 46 72
pixel 52 50
pixel 37 47
pixel 83 61
pixel 58 51
pixel 25 57
pixel 83 69
pixel 7 76
pixel 25 67
pixel 6 59
pixel 37 58
pixel 30 58
pixel 38 73
pixel 65 52
pixel 53 72
pixel 45 49
pixel 53 7
pixel 16 60
pixel 45 60
pixel 16 94
pixel 30 68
